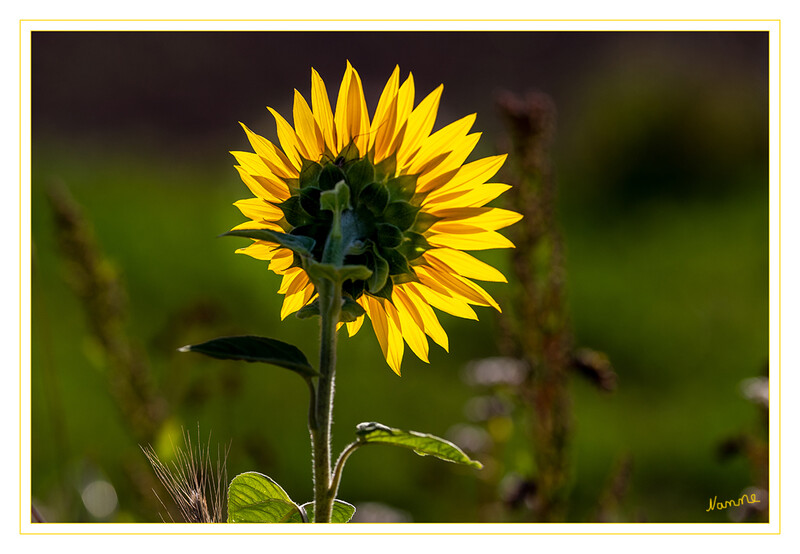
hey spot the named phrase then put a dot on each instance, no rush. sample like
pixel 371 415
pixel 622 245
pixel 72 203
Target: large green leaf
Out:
pixel 342 512
pixel 421 443
pixel 296 243
pixel 255 349
pixel 255 498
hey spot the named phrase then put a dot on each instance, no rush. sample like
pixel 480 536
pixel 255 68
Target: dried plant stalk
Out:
pixel 538 331
pixel 195 483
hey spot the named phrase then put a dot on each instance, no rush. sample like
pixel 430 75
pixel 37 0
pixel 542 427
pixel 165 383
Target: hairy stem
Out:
pixel 330 303
pixel 337 472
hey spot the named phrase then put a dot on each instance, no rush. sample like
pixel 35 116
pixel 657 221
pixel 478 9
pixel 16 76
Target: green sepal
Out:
pixel 348 154
pixel 397 262
pixel 294 212
pixel 413 246
pixel 249 348
pixel 359 175
pixel 421 443
pixel 309 200
pixel 341 512
pixel 309 174
pixel 386 291
pixel 351 310
pixel 298 244
pixel 408 277
pixel 329 176
pixel 400 214
pixel 255 498
pixel 424 221
pixel 402 187
pixel 388 235
pixel 380 272
pixel 375 197
pixel 309 310
pixel 386 168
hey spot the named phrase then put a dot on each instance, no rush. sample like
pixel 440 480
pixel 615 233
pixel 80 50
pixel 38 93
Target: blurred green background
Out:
pixel 661 163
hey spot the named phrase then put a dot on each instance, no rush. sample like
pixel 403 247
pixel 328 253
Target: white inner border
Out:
pixel 772 26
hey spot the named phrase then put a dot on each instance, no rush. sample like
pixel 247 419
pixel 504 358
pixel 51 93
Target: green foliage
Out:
pixel 255 498
pixel 421 443
pixel 256 349
pixel 298 244
pixel 342 512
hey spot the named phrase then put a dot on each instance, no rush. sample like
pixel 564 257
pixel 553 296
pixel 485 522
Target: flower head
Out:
pixel 412 207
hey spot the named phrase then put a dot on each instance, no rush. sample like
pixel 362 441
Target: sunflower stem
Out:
pixel 330 302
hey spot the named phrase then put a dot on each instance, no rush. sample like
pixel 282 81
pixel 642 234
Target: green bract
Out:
pixel 377 212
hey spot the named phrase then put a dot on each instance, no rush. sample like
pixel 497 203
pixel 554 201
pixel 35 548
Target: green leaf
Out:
pixel 336 200
pixel 421 443
pixel 256 349
pixel 255 498
pixel 341 512
pixel 298 244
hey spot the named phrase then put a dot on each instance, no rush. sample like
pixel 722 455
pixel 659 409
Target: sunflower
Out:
pixel 416 204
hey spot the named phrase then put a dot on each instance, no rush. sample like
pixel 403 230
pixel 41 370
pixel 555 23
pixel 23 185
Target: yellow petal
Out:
pixel 405 102
pixel 259 209
pixel 296 300
pixel 288 139
pixel 473 199
pixel 322 109
pixel 276 160
pixel 258 225
pixel 259 250
pixel 394 355
pixel 385 114
pixel 281 261
pixel 383 329
pixel 409 296
pixel 357 114
pixel 351 117
pixel 454 220
pixel 469 241
pixel 470 176
pixel 444 302
pixel 289 277
pixel 411 326
pixel 463 264
pixel 255 186
pixel 442 173
pixel 307 129
pixel 444 282
pixel 354 326
pixel 420 125
pixel 440 142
